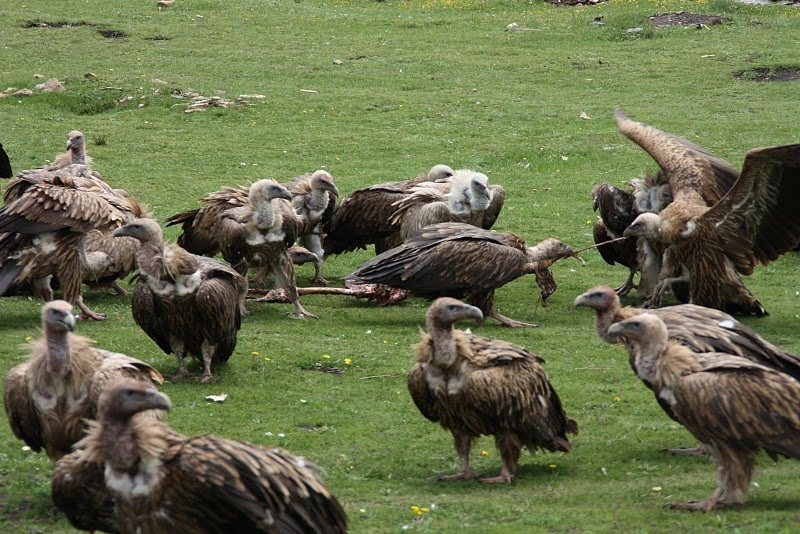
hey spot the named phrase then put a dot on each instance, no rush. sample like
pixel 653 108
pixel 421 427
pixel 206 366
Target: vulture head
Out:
pixel 551 250
pixel 440 173
pixel 323 181
pixel 478 193
pixel 446 311
pixel 57 316
pixel 647 225
pixel 122 399
pixel 263 191
pixel 76 145
pixel 650 333
pixel 600 298
pixel 145 230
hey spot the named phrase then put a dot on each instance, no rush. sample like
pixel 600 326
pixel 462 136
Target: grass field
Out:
pixel 377 91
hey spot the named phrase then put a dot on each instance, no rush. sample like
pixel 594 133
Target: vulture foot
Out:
pixel 499 479
pixel 208 379
pixel 120 290
pixel 700 450
pixel 713 502
pixel 510 323
pixel 625 288
pixel 464 475
pixel 320 281
pixel 302 314
pixel 182 374
pixel 87 312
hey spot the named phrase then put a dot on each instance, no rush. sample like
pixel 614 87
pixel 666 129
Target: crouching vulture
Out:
pixel 474 385
pixel 733 405
pixel 49 398
pixel 187 304
pixel 462 261
pixel 699 328
pixel 163 481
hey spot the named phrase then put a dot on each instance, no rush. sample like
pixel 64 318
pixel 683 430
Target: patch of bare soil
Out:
pixel 769 74
pixel 682 18
pixel 53 24
pixel 112 34
pixel 575 2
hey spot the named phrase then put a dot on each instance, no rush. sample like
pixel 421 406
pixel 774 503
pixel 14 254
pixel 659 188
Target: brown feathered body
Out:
pixel 473 385
pixel 715 230
pixel 187 304
pixel 461 261
pixel 735 406
pixel 49 397
pixel 46 233
pixel 617 209
pixel 163 481
pixel 364 217
pixel 5 164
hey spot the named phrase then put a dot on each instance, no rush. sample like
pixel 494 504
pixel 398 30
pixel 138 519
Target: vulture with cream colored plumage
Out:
pixel 187 304
pixel 735 406
pixel 474 385
pixel 364 217
pixel 461 261
pixel 755 221
pixel 163 481
pixel 699 328
pixel 49 397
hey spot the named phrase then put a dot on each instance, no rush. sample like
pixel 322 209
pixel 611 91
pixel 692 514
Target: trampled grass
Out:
pixel 420 83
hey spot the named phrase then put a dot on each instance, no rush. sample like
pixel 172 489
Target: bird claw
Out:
pixel 92 315
pixel 208 379
pixel 499 479
pixel 318 280
pixel 700 450
pixel 705 505
pixel 469 475
pixel 302 315
pixel 182 374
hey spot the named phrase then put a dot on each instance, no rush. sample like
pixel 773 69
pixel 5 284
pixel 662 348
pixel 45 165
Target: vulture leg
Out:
pixel 120 290
pixel 208 355
pixel 700 450
pixel 284 278
pixel 711 503
pixel 313 242
pixel 463 441
pixel 625 288
pixel 510 323
pixel 510 448
pixel 88 313
pixel 662 286
pixel 41 288
pixel 177 348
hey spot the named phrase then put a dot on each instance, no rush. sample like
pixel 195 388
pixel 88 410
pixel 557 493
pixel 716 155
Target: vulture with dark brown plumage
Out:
pixel 364 217
pixel 187 304
pixel 49 397
pixel 461 261
pixel 756 220
pixel 61 227
pixel 5 164
pixel 466 198
pixel 474 385
pixel 699 328
pixel 163 481
pixel 735 406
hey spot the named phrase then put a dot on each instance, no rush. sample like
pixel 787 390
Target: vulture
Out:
pixel 364 216
pixel 696 327
pixel 314 199
pixel 755 220
pixel 187 304
pixel 163 481
pixel 466 198
pixel 474 385
pixel 461 261
pixel 59 227
pixel 5 164
pixel 253 226
pixel 49 398
pixel 733 405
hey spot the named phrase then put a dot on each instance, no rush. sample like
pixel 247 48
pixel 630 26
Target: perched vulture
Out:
pixel 461 261
pixel 364 216
pixel 49 397
pixel 57 228
pixel 474 385
pixel 253 226
pixel 314 199
pixel 5 164
pixel 617 210
pixel 187 304
pixel 163 481
pixel 733 405
pixel 696 327
pixel 756 220
pixel 466 198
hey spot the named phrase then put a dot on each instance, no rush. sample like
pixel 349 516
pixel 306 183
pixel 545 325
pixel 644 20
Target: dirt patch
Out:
pixel 575 2
pixel 682 18
pixel 50 24
pixel 769 74
pixel 324 369
pixel 112 34
pixel 158 38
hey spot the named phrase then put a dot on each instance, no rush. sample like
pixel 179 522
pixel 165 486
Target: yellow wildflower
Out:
pixel 347 361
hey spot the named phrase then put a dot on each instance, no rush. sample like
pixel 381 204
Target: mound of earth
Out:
pixel 682 18
pixel 769 74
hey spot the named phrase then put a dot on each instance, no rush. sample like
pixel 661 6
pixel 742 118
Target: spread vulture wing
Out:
pixel 761 208
pixel 688 166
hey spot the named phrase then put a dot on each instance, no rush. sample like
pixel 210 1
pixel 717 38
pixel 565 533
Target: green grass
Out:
pixel 421 82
